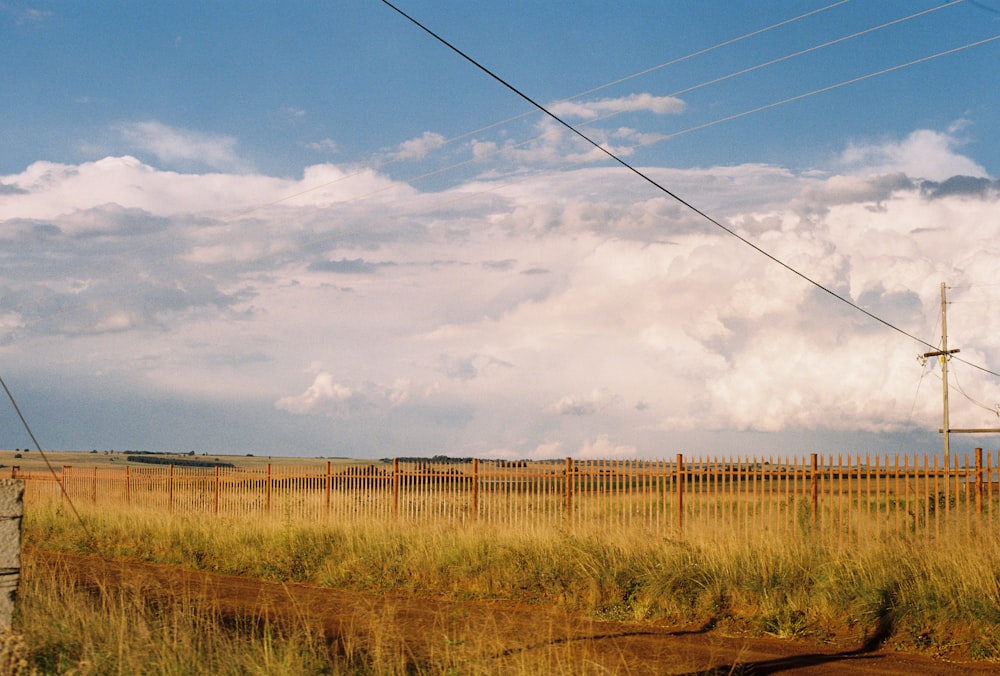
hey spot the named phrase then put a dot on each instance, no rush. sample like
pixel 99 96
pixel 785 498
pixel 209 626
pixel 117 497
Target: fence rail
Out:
pixel 837 494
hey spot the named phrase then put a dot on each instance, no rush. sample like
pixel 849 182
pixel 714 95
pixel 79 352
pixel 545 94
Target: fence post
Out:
pixel 475 489
pixel 814 486
pixel 128 485
pixel 63 480
pixel 268 504
pixel 569 491
pixel 328 485
pixel 395 487
pixel 217 488
pixel 680 492
pixel 93 487
pixel 11 511
pixel 171 489
pixel 979 481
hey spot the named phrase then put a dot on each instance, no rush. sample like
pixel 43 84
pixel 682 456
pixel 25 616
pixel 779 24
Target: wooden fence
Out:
pixel 899 493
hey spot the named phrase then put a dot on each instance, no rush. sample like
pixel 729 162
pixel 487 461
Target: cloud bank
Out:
pixel 528 315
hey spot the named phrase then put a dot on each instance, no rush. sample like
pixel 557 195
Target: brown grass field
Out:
pixel 118 588
pixel 33 461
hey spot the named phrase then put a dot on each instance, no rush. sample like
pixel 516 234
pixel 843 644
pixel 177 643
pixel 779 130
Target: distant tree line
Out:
pixel 448 460
pixel 180 462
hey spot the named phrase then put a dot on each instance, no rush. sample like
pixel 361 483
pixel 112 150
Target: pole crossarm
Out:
pixel 973 430
pixel 939 353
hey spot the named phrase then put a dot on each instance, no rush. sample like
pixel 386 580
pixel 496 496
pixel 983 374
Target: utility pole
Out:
pixel 944 353
pixel 944 375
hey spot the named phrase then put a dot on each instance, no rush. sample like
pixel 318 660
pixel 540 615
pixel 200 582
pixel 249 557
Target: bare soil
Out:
pixel 499 635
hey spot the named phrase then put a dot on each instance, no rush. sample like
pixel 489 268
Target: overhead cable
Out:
pixel 664 189
pixel 654 138
pixel 606 85
pixel 52 471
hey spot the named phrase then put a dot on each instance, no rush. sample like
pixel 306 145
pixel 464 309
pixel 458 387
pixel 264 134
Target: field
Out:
pixel 32 462
pixel 167 619
pixel 522 596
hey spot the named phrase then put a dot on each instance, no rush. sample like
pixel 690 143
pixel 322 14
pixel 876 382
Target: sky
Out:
pixel 312 229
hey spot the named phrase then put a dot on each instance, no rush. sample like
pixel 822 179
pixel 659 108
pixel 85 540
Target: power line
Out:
pixel 653 140
pixel 593 90
pixel 719 45
pixel 821 90
pixel 815 48
pixel 738 73
pixel 640 73
pixel 656 139
pixel 961 390
pixel 52 471
pixel 665 190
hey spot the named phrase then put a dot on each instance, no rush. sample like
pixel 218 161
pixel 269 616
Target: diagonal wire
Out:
pixel 816 48
pixel 665 190
pixel 626 78
pixel 52 471
pixel 958 386
pixel 659 138
pixel 646 71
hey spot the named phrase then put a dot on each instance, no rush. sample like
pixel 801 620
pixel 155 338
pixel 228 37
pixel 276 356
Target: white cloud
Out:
pixel 587 404
pixel 924 154
pixel 603 448
pixel 326 145
pixel 330 398
pixel 324 396
pixel 184 147
pixel 527 316
pixel 589 110
pixel 547 451
pixel 417 148
pixel 48 190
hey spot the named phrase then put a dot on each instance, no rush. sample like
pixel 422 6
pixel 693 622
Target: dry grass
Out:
pixel 917 591
pixel 69 628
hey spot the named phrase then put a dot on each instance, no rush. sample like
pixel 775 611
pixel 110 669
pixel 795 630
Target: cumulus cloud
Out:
pixel 329 398
pixel 587 404
pixel 552 143
pixel 924 154
pixel 324 396
pixel 960 185
pixel 51 190
pixel 526 315
pixel 185 148
pixel 603 448
pixel 417 148
pixel 589 110
pixel 547 451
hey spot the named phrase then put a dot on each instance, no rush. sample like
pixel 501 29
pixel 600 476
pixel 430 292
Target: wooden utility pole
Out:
pixel 944 354
pixel 944 374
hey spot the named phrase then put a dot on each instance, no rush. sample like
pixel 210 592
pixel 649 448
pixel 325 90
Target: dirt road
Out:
pixel 498 634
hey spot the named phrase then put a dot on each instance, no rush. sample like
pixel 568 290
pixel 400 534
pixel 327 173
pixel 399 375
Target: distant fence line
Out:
pixel 892 493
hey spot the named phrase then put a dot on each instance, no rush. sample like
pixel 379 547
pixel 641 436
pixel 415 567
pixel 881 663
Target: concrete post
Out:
pixel 11 510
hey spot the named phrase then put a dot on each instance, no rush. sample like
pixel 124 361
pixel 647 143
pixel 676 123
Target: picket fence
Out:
pixel 899 493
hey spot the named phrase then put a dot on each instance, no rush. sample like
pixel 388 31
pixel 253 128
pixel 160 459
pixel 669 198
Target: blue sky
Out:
pixel 312 229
